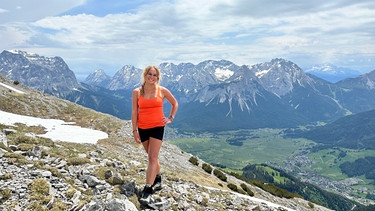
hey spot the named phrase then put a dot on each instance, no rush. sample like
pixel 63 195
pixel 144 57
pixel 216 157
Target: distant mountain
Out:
pixel 49 74
pixel 363 82
pixel 273 94
pixel 332 73
pixel 213 95
pixel 226 96
pixel 357 94
pixel 98 78
pixel 112 102
pixel 128 77
pixel 354 132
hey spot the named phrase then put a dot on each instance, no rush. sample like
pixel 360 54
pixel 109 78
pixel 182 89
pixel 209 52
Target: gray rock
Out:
pixel 128 189
pixel 94 206
pixel 37 151
pixel 120 205
pixel 93 181
pixel 108 174
pixel 9 131
pixel 3 139
pixel 160 205
pixel 13 147
pixel 75 199
pixel 61 164
pixel 47 174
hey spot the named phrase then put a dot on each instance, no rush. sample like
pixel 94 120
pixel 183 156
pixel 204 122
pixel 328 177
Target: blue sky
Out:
pixel 108 34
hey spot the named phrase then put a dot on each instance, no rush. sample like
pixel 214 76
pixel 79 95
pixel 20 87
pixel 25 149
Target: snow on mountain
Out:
pixel 23 53
pixel 11 88
pixel 223 74
pixel 57 130
pixel 261 73
pixel 332 73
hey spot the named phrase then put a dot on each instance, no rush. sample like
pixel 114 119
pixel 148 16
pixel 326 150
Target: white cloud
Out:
pixel 3 10
pixel 20 10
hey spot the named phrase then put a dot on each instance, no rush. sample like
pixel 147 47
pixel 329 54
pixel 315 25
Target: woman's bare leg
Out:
pixel 152 147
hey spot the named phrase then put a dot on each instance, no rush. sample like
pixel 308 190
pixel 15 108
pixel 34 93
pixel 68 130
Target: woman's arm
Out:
pixel 172 100
pixel 135 95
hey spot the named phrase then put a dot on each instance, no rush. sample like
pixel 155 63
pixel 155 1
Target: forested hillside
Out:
pixel 353 132
pixel 265 174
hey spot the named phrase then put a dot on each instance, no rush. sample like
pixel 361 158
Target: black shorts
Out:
pixel 155 132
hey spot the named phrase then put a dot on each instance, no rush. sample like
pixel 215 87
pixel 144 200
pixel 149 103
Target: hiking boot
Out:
pixel 146 195
pixel 157 183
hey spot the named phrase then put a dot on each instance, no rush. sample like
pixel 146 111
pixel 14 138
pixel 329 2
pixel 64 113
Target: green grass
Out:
pixel 259 146
pixel 327 161
pixel 276 175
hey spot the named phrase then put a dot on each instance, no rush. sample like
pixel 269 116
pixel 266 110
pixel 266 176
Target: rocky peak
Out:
pixel 48 74
pixel 128 77
pixel 98 78
pixel 280 76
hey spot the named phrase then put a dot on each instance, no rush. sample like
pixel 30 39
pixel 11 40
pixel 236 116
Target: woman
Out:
pixel 148 123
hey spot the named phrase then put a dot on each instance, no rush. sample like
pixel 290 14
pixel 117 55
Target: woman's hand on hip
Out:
pixel 167 120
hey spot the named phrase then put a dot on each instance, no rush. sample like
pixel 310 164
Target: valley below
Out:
pixel 301 158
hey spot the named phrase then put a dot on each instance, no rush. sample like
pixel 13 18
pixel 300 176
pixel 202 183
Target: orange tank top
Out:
pixel 150 113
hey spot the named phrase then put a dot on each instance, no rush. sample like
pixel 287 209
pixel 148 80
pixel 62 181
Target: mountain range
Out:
pixel 332 73
pixel 221 94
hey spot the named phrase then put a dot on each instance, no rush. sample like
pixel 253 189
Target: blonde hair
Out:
pixel 144 75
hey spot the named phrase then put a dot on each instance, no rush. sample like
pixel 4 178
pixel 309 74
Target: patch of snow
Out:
pixel 57 130
pixel 261 73
pixel 178 77
pixel 326 69
pixel 370 83
pixel 223 74
pixel 12 88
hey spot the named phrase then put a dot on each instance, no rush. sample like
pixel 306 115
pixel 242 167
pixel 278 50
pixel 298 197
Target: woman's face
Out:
pixel 152 76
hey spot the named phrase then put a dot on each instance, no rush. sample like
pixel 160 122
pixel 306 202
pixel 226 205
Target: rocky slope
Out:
pixel 40 174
